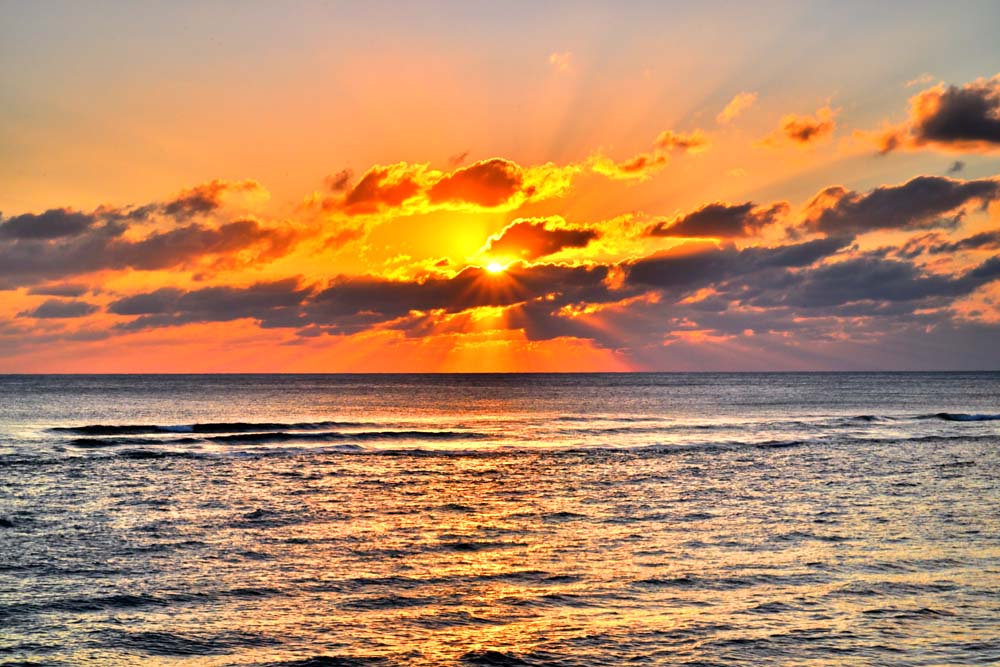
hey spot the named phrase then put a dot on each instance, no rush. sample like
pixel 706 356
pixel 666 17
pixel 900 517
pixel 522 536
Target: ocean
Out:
pixel 570 520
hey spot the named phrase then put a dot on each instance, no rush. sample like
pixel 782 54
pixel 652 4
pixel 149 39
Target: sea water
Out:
pixel 579 519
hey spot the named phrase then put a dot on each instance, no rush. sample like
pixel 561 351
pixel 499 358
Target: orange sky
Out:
pixel 325 202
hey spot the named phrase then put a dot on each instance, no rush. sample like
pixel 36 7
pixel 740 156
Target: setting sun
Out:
pixel 495 267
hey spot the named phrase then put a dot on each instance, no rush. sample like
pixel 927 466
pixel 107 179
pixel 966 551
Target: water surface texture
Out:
pixel 675 519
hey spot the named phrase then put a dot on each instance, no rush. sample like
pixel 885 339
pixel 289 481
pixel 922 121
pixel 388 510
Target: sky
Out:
pixel 483 186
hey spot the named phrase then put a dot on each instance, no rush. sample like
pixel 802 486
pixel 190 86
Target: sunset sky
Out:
pixel 472 186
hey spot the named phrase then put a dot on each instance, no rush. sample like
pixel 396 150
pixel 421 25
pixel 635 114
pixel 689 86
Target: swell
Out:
pixel 281 437
pixel 211 427
pixel 961 417
pixel 129 449
pixel 128 601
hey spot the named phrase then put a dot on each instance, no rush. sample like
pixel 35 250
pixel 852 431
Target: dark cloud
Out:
pixel 162 300
pixel 531 239
pixel 338 182
pixel 925 202
pixel 269 303
pixel 936 244
pixel 721 220
pixel 102 247
pixel 351 304
pixel 487 183
pixel 692 266
pixel 349 300
pixel 54 223
pixel 60 289
pixel 956 118
pixel 872 279
pixel 204 198
pixel 956 167
pixel 57 309
pixel 969 114
pixel 989 240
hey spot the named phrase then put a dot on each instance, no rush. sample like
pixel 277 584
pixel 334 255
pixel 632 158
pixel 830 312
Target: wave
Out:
pixel 279 437
pixel 164 643
pixel 407 443
pixel 961 417
pixel 611 418
pixel 331 661
pixel 94 443
pixel 490 658
pixel 211 427
pixel 330 436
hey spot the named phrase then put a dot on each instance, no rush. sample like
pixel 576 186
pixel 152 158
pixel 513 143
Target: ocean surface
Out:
pixel 570 520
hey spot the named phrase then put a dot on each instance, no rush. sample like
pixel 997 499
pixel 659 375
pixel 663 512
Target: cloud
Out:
pixel 694 142
pixel 58 309
pixel 925 202
pixel 273 303
pixel 206 197
pixel 954 118
pixel 533 238
pixel 644 165
pixel 804 130
pixel 342 237
pixel 372 299
pixel 639 167
pixel 871 279
pixel 105 246
pixel 488 183
pixel 956 167
pixel 52 224
pixel 921 80
pixel 721 220
pixel 60 289
pixel 961 116
pixel 160 301
pixel 339 181
pixel 695 265
pixel 408 189
pixel 740 103
pixel 937 244
pixel 457 158
pixel 382 186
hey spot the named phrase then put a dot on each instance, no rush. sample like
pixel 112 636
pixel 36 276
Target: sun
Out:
pixel 495 267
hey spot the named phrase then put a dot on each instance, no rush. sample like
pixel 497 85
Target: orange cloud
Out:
pixel 740 103
pixel 644 165
pixel 638 167
pixel 804 129
pixel 533 238
pixel 382 187
pixel 409 189
pixel 695 142
pixel 488 183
